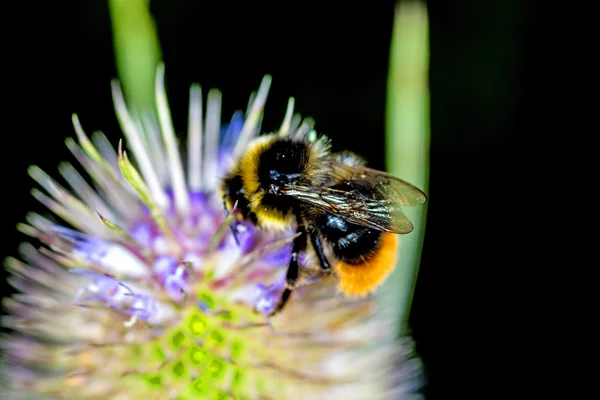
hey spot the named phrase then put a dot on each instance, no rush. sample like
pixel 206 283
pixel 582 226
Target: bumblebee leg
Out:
pixel 282 301
pixel 318 247
pixel 233 231
pixel 292 272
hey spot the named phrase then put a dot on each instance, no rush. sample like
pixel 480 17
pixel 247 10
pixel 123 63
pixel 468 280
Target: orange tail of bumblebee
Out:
pixel 361 279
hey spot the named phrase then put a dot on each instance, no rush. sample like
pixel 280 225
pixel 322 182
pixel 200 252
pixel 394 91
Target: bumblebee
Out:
pixel 347 213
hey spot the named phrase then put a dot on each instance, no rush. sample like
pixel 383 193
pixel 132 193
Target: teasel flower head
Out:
pixel 140 289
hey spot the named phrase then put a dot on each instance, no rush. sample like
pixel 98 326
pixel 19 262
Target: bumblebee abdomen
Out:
pixel 360 279
pixel 349 242
pixel 365 256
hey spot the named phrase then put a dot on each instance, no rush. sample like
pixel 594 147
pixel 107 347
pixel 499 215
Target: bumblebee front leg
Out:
pixel 231 227
pixel 292 272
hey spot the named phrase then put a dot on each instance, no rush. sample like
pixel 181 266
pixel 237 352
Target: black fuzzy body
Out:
pixel 284 162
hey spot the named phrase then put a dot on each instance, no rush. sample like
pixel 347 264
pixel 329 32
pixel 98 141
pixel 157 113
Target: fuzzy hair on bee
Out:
pixel 270 161
pixel 345 213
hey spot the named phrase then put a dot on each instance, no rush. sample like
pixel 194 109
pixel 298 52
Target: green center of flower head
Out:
pixel 151 294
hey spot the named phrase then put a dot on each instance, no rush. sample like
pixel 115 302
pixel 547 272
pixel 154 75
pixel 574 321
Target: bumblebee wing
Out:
pixel 363 196
pixel 379 214
pixel 382 215
pixel 378 184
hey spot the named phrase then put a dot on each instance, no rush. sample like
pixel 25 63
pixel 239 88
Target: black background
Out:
pixel 333 58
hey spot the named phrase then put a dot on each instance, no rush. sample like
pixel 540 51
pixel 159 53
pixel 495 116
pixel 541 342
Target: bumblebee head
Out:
pixel 273 161
pixel 269 163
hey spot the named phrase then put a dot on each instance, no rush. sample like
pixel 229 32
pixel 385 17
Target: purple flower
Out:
pixel 143 292
pixel 266 297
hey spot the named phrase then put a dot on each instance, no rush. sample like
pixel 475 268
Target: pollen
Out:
pixel 361 279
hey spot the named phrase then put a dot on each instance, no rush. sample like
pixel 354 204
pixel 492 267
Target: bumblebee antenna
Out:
pixel 227 213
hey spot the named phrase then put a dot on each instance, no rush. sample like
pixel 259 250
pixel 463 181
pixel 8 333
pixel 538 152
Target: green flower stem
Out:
pixel 407 141
pixel 137 51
